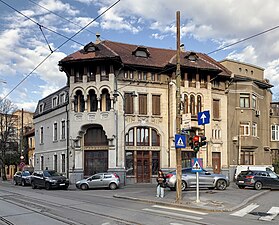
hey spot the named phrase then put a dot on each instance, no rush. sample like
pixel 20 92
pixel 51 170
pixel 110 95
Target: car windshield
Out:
pixel 25 173
pixel 51 173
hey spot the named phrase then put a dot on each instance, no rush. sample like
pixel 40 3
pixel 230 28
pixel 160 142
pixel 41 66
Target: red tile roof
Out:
pixel 158 57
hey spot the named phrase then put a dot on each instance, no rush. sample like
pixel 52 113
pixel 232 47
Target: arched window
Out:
pixel 186 103
pixel 130 138
pixel 155 138
pixel 105 101
pixel 93 102
pixel 199 104
pixel 192 105
pixel 79 103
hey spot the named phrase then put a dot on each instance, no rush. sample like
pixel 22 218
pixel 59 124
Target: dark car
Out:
pixel 206 180
pixel 49 179
pixel 257 179
pixel 22 177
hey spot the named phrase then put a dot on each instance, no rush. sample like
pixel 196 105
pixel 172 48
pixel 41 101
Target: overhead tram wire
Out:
pixel 244 39
pixel 68 39
pixel 39 25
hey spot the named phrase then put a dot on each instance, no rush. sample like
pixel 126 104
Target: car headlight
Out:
pixel 78 182
pixel 52 181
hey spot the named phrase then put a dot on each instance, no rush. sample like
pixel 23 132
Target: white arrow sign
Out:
pixel 203 117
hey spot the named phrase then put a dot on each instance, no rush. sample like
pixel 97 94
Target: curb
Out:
pixel 189 205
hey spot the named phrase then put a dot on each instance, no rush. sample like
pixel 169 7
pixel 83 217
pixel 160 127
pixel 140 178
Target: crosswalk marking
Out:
pixel 179 209
pixel 172 214
pixel 273 212
pixel 245 210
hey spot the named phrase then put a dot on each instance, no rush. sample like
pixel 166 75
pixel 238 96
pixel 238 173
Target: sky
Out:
pixel 34 36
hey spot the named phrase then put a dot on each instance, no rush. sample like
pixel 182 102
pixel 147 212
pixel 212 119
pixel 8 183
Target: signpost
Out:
pixel 197 167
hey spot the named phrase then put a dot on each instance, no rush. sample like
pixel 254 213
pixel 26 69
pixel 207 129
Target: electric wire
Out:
pixel 111 6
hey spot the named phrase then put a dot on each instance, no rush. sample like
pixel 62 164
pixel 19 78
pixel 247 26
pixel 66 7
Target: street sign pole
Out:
pixel 198 188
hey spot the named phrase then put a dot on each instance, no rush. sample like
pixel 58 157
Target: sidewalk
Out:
pixel 210 200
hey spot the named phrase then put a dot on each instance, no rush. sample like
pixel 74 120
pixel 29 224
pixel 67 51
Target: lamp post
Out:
pixel 116 94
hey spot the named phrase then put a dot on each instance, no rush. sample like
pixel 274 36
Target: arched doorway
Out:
pixel 95 151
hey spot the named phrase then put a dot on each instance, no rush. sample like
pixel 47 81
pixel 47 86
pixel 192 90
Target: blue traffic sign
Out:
pixel 197 165
pixel 203 117
pixel 180 141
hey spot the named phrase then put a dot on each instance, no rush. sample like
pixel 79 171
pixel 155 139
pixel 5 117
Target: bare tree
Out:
pixel 8 137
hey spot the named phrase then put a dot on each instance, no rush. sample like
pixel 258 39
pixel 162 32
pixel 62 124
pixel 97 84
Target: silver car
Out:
pixel 99 180
pixel 206 180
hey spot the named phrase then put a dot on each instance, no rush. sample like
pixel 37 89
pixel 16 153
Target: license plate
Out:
pixel 241 181
pixel 62 184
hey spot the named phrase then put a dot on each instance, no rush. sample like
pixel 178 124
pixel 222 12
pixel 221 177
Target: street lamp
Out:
pixel 115 95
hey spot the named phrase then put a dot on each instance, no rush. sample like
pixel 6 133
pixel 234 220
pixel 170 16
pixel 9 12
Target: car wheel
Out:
pixel 23 183
pixel 258 185
pixel 241 186
pixel 183 186
pixel 47 186
pixel 112 186
pixel 221 185
pixel 33 185
pixel 84 187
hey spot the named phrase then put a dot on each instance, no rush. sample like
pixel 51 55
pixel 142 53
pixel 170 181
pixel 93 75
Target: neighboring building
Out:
pixel 29 150
pixel 248 110
pixel 51 140
pixel 274 123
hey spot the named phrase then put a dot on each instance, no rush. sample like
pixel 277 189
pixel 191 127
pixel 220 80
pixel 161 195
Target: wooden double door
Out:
pixel 143 162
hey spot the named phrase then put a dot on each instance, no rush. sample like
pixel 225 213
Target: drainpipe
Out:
pixel 68 158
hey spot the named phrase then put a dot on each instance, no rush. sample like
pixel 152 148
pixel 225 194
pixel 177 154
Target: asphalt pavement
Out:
pixel 210 200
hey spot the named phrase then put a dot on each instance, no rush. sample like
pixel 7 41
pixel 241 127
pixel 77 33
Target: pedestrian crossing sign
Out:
pixel 180 141
pixel 197 165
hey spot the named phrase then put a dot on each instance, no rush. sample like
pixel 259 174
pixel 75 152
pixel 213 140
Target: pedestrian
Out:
pixel 161 180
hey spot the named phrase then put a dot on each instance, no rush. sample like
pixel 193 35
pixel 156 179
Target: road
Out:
pixel 25 206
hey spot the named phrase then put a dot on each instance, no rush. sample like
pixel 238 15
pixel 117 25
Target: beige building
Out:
pixel 248 111
pixel 120 92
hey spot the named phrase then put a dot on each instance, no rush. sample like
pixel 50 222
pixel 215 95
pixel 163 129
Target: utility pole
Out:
pixel 178 115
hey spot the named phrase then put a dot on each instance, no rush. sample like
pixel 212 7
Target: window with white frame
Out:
pixel 41 107
pixel 244 101
pixel 63 129
pixel 62 98
pixel 63 163
pixel 245 128
pixel 254 101
pixel 254 130
pixel 275 132
pixel 54 101
pixel 55 162
pixel 41 135
pixel 55 131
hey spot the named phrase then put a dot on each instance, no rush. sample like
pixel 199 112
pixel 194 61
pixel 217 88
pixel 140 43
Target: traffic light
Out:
pixel 196 143
pixel 203 141
pixel 190 142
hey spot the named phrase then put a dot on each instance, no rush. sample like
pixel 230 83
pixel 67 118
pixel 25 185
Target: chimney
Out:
pixel 98 40
pixel 182 49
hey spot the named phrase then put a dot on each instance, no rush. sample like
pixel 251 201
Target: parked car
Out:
pixel 257 179
pixel 252 167
pixel 99 180
pixel 22 177
pixel 48 179
pixel 206 180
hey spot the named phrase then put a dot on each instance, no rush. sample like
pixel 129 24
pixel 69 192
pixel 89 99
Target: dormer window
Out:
pixel 62 98
pixel 41 107
pixel 91 47
pixel 54 101
pixel 141 52
pixel 192 56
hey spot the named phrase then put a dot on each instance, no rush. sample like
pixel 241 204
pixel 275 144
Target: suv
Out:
pixel 206 180
pixel 257 179
pixel 49 179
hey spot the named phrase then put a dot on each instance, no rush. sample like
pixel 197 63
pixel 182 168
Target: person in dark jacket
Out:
pixel 161 180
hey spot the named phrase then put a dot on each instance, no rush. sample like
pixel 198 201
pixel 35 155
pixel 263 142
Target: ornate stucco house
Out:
pixel 120 112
